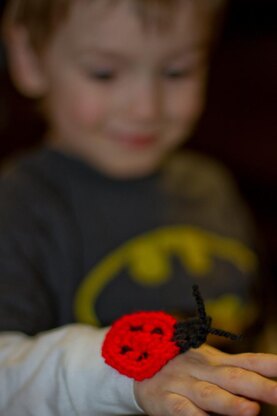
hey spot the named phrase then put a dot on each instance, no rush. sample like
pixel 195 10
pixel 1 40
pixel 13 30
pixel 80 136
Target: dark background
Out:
pixel 239 126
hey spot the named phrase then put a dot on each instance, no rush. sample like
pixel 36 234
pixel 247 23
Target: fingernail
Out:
pixel 249 409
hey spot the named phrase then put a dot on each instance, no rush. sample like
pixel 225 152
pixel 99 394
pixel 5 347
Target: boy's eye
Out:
pixel 177 73
pixel 102 75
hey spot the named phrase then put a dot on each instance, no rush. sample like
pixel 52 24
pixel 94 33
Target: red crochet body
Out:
pixel 138 345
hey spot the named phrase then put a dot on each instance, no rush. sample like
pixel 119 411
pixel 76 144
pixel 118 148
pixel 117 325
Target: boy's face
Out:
pixel 120 95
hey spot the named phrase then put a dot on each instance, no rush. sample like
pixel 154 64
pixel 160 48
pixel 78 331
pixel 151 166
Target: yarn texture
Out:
pixel 138 345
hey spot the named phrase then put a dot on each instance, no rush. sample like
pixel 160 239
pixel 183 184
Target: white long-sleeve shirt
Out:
pixel 61 373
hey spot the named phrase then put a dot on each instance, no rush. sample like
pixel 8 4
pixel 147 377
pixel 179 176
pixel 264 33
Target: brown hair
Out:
pixel 42 17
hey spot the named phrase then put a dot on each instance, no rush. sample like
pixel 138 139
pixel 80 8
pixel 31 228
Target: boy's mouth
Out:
pixel 135 140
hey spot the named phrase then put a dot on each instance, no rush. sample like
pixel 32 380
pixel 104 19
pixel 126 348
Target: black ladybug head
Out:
pixel 191 333
pixel 194 331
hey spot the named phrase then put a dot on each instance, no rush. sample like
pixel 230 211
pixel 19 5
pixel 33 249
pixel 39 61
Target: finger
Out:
pixel 178 405
pixel 265 364
pixel 213 398
pixel 238 381
pixel 245 383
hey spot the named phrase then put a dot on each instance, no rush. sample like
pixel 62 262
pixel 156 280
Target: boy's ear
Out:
pixel 24 63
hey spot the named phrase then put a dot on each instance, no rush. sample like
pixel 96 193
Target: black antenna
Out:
pixel 206 320
pixel 200 303
pixel 226 334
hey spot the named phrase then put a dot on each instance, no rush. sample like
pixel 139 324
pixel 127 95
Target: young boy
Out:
pixel 106 219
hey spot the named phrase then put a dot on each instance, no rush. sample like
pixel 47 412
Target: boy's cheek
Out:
pixel 85 113
pixel 76 107
pixel 189 111
pixel 187 104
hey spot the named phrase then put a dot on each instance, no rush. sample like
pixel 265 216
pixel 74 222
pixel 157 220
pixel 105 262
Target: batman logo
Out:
pixel 148 260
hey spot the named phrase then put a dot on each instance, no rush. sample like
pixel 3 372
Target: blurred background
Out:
pixel 239 126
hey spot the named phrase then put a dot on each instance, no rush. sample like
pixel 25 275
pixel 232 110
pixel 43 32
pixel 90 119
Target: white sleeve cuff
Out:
pixel 61 372
pixel 93 386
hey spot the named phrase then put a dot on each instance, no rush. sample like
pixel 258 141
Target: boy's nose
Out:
pixel 144 102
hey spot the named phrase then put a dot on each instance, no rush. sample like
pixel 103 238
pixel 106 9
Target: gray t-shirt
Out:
pixel 76 246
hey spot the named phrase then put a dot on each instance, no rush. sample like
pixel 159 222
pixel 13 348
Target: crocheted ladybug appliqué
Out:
pixel 138 345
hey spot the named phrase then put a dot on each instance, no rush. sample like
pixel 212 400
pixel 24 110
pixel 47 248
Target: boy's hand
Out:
pixel 207 380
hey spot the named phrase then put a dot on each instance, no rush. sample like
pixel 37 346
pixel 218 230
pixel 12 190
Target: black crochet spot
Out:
pixel 125 349
pixel 136 328
pixel 143 356
pixel 157 330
